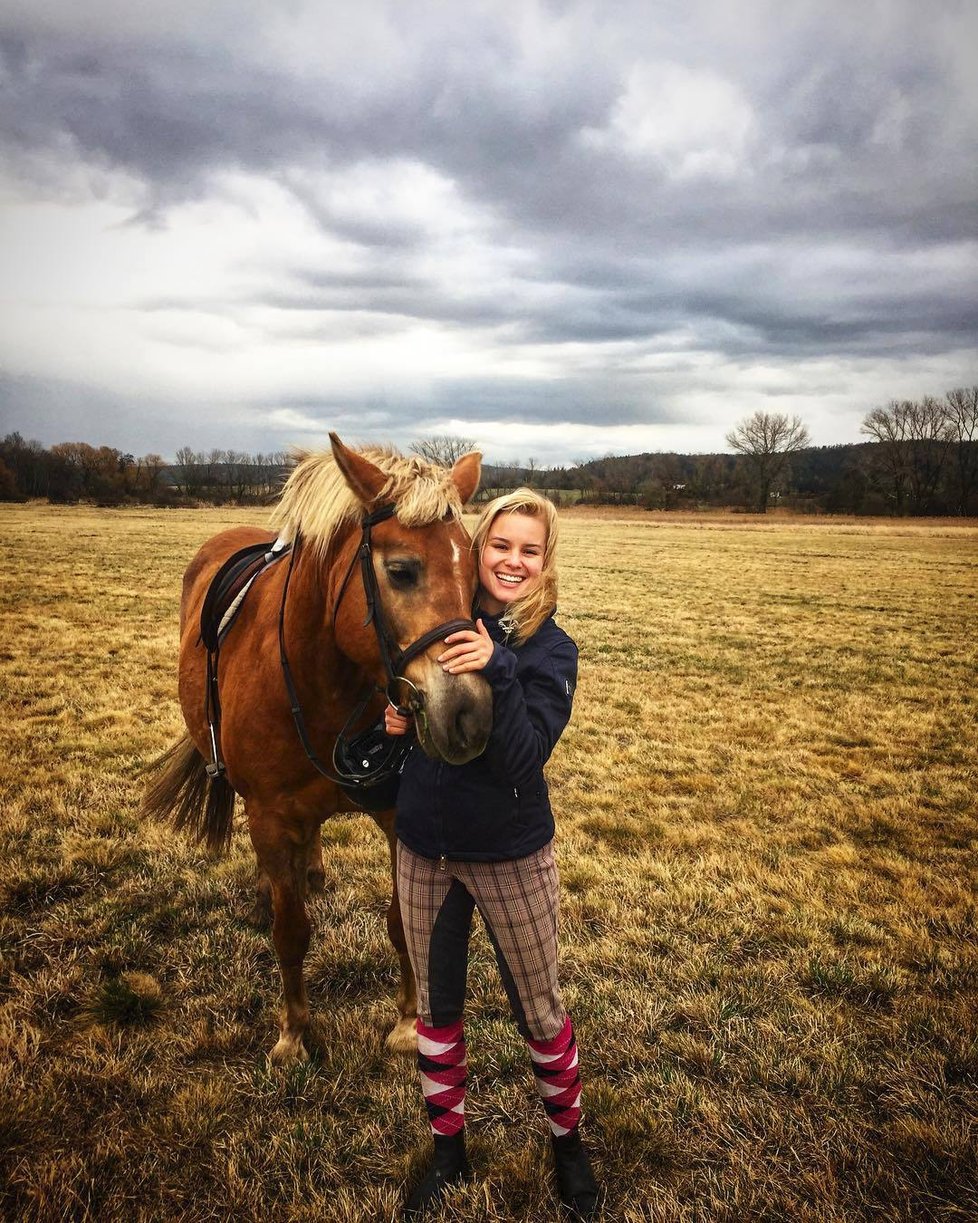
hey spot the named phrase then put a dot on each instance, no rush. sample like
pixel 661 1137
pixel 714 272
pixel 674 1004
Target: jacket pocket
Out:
pixel 527 799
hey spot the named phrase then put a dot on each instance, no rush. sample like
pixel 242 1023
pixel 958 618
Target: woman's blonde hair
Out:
pixel 525 615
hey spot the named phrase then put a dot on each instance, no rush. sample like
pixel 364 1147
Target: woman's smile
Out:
pixel 511 559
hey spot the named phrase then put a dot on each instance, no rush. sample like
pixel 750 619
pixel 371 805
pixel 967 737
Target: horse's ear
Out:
pixel 364 477
pixel 466 474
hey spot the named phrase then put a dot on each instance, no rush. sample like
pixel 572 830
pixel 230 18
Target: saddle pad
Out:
pixel 230 585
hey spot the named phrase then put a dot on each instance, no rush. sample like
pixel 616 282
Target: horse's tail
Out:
pixel 180 790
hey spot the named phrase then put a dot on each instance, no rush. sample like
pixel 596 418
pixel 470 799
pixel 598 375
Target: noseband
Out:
pixel 392 656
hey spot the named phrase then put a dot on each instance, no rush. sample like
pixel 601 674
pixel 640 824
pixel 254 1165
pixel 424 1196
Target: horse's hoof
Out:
pixel 403 1038
pixel 288 1051
pixel 316 881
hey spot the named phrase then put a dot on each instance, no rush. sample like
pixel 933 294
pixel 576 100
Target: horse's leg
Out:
pixel 403 1036
pixel 261 913
pixel 282 846
pixel 316 873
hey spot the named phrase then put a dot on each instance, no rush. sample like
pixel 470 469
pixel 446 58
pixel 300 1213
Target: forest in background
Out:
pixel 921 459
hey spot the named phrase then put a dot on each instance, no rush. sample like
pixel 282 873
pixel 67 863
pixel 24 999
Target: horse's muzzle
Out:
pixel 457 717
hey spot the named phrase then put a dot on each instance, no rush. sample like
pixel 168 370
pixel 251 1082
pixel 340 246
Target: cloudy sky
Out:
pixel 560 229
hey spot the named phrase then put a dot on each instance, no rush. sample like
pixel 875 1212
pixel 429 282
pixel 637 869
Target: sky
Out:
pixel 561 230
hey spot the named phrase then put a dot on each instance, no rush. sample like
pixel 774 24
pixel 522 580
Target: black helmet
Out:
pixel 369 764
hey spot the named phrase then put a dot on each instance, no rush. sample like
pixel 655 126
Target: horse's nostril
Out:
pixel 463 724
pixel 469 727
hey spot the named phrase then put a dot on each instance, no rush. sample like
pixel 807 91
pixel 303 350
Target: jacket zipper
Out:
pixel 441 819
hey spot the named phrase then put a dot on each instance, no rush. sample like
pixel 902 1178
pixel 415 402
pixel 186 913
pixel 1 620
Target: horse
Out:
pixel 315 633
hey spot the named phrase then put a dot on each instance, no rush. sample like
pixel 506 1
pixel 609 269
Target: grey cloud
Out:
pixel 861 139
pixel 172 114
pixel 55 410
pixel 576 399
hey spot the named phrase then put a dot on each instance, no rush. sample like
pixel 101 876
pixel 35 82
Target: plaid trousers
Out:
pixel 518 903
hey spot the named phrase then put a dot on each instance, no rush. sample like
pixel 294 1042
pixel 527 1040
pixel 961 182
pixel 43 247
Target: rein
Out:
pixel 393 657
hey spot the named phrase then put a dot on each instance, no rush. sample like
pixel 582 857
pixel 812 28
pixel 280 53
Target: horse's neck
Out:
pixel 314 657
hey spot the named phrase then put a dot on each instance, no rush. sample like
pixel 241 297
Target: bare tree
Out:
pixel 889 427
pixel 961 407
pixel 932 438
pixel 269 471
pixel 914 440
pixel 216 468
pixel 444 448
pixel 188 471
pixel 148 469
pixel 238 473
pixel 767 440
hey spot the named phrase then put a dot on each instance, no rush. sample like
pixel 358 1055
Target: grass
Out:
pixel 767 833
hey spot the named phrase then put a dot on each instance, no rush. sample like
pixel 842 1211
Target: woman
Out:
pixel 480 836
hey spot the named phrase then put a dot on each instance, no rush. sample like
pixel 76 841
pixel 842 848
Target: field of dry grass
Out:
pixel 767 833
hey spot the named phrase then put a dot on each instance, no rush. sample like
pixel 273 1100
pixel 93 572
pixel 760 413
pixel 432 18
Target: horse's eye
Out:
pixel 403 574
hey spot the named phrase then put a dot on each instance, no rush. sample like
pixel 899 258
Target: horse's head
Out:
pixel 425 576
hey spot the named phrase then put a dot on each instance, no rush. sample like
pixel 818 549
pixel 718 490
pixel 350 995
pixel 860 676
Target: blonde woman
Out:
pixel 480 836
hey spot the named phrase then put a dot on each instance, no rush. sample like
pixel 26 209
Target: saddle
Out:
pixel 222 603
pixel 229 586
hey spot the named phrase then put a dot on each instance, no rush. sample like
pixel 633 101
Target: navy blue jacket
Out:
pixel 496 807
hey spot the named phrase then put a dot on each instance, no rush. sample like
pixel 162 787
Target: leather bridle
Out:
pixel 392 655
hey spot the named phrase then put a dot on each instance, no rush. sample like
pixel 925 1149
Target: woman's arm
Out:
pixel 529 715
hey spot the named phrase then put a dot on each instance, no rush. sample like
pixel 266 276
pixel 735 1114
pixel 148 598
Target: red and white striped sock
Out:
pixel 558 1082
pixel 441 1062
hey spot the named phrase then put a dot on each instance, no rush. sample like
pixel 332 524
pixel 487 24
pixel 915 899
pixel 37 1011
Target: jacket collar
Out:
pixel 494 628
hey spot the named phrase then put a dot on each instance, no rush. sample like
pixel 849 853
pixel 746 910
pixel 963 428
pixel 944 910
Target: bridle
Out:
pixel 392 655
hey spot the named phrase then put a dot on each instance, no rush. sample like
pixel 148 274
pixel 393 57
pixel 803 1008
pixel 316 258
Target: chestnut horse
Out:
pixel 424 577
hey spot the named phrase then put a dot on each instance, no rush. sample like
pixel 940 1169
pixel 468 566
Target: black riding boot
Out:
pixel 579 1190
pixel 449 1167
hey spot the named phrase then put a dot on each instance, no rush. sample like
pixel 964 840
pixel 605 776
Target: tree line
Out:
pixel 76 471
pixel 921 459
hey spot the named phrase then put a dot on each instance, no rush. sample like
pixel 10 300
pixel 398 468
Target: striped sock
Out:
pixel 441 1061
pixel 558 1082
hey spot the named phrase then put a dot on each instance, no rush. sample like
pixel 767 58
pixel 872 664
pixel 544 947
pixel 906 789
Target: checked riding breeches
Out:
pixel 518 902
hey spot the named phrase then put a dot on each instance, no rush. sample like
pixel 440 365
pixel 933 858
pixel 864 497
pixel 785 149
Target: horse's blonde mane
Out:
pixel 316 501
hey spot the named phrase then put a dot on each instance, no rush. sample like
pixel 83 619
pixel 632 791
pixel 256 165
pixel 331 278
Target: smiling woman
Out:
pixel 516 542
pixel 511 559
pixel 479 836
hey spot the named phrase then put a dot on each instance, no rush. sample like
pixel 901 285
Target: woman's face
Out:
pixel 511 560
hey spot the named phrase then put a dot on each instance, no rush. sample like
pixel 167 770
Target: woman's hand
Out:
pixel 470 650
pixel 395 722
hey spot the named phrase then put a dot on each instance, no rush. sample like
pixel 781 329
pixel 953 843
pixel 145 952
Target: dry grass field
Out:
pixel 767 832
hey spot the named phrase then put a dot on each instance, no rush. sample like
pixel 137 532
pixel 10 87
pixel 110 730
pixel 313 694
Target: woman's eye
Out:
pixel 402 576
